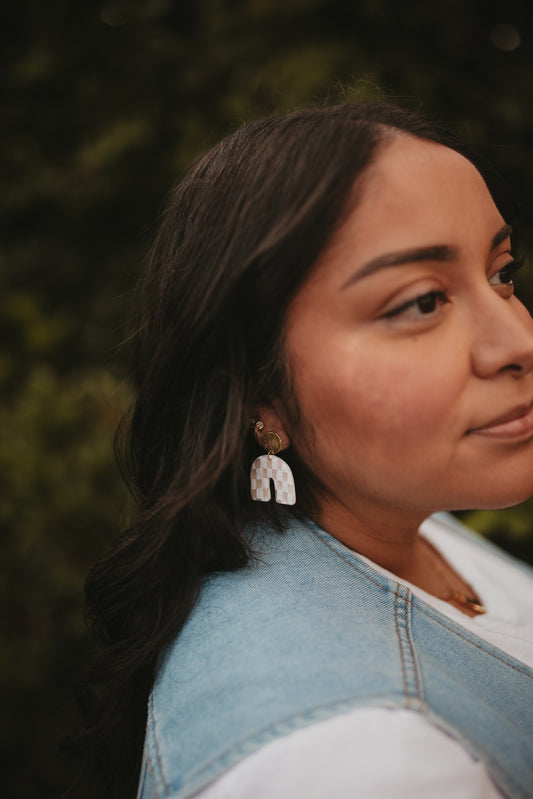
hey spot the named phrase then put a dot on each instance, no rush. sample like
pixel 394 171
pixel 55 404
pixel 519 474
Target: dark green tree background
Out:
pixel 104 104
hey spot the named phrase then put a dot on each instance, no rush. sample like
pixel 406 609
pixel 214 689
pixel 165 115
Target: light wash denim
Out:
pixel 307 631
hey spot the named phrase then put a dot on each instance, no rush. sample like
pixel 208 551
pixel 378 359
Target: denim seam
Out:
pixel 417 606
pixel 408 620
pixel 469 640
pixel 291 724
pixel 396 622
pixel 352 565
pixel 410 671
pixel 150 766
pixel 158 755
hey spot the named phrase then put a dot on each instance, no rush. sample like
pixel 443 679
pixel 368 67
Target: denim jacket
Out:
pixel 309 630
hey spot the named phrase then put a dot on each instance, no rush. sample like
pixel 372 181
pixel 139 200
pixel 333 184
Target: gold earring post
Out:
pixel 271 442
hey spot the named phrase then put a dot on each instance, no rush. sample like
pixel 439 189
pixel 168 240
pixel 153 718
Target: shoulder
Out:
pixel 300 586
pixel 304 632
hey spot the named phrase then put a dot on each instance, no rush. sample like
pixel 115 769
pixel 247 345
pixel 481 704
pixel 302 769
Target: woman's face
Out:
pixel 411 356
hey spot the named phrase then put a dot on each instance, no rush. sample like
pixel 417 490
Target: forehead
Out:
pixel 415 193
pixel 411 179
pixel 410 163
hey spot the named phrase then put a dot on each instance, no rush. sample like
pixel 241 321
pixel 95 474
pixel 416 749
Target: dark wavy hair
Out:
pixel 240 234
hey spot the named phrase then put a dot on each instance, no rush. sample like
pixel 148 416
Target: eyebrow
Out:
pixel 436 252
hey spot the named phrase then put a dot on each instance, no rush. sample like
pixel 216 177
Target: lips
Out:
pixel 515 423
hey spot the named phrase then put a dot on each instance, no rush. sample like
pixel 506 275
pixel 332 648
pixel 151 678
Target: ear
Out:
pixel 270 415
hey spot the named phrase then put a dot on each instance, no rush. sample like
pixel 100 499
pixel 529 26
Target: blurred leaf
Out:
pixel 60 508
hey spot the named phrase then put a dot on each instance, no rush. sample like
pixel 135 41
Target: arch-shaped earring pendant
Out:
pixel 269 467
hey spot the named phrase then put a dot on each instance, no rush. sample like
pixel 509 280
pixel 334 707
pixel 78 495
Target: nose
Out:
pixel 503 340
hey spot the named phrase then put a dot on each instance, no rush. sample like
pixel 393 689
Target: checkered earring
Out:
pixel 269 467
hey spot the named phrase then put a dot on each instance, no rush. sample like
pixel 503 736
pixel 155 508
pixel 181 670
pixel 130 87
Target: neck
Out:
pixel 391 540
pixel 388 538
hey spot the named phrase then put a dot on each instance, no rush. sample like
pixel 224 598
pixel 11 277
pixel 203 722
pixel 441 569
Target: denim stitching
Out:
pixel 338 554
pixel 293 723
pixel 165 786
pixel 411 600
pixel 469 640
pixel 418 681
pixel 418 607
pixel 149 762
pixel 404 675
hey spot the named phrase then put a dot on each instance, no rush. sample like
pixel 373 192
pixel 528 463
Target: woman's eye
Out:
pixel 504 276
pixel 423 305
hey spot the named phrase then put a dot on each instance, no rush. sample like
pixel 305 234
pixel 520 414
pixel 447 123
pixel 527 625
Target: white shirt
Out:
pixel 380 753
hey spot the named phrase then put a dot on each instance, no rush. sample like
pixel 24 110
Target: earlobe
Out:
pixel 266 421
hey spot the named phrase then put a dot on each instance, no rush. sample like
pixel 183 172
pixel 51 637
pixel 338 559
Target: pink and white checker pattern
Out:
pixel 269 467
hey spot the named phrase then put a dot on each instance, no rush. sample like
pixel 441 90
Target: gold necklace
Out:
pixel 473 604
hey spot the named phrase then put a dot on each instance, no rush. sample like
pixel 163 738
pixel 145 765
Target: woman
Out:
pixel 333 289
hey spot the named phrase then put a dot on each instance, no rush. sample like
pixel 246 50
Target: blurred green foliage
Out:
pixel 60 498
pixel 104 104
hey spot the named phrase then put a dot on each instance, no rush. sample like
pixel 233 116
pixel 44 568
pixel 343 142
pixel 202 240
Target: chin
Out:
pixel 493 488
pixel 498 500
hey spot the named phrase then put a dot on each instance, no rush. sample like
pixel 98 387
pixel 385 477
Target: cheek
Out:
pixel 380 399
